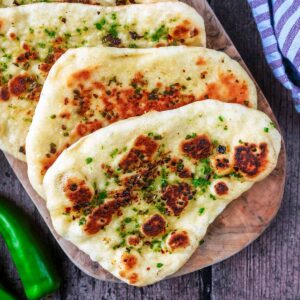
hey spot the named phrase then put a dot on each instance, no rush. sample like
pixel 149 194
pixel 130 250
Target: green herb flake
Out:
pixel 201 210
pixel 88 160
pixel 200 182
pixel 266 129
pixel 127 220
pixel 159 265
pixel 190 136
pixel 161 32
pixel 100 24
pixel 221 118
pixel 42 45
pixel 113 30
pixel 156 245
pixel 114 153
pixel 102 196
pixel 211 196
pixel 201 242
pixel 51 33
pixel 82 221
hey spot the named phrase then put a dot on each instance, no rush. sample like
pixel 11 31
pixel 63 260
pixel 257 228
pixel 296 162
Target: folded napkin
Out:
pixel 278 22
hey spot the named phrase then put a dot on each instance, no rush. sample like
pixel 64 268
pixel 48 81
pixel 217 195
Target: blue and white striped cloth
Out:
pixel 278 22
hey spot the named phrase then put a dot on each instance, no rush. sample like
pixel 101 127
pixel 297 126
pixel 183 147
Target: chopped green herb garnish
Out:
pixel 100 24
pixel 200 182
pixel 42 45
pixel 221 118
pixel 159 265
pixel 82 221
pixel 201 210
pixel 114 153
pixel 156 245
pixel 201 242
pixel 88 160
pixel 161 208
pixel 51 33
pixel 190 136
pixel 113 30
pixel 266 129
pixel 161 32
pixel 127 220
pixel 211 196
pixel 100 198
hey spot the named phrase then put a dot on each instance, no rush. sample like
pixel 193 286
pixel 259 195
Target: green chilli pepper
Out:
pixel 5 295
pixel 30 255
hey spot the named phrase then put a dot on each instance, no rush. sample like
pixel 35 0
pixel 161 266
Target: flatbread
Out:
pixel 138 195
pixel 90 88
pixel 10 3
pixel 33 37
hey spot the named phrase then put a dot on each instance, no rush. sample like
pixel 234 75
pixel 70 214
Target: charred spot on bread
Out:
pixel 221 188
pixel 78 192
pixel 178 239
pixel 142 151
pixel 177 197
pixel 129 261
pixel 198 147
pixel 154 226
pixel 102 215
pixel 251 159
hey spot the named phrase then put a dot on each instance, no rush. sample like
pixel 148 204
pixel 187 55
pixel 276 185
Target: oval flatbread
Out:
pixel 91 88
pixel 138 195
pixel 9 3
pixel 33 37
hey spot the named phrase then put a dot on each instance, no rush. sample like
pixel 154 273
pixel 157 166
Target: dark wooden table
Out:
pixel 268 269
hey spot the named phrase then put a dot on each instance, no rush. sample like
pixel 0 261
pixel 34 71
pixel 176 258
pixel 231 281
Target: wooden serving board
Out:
pixel 240 223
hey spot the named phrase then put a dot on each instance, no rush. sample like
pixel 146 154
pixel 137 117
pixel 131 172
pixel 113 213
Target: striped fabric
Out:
pixel 278 22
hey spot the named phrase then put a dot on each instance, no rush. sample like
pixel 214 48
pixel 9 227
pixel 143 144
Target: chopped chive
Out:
pixel 266 129
pixel 190 136
pixel 211 196
pixel 221 118
pixel 82 221
pixel 88 160
pixel 159 265
pixel 201 210
pixel 100 24
pixel 127 220
pixel 114 153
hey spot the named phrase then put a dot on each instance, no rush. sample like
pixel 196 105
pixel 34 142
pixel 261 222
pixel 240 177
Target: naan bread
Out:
pixel 9 3
pixel 33 37
pixel 138 195
pixel 90 88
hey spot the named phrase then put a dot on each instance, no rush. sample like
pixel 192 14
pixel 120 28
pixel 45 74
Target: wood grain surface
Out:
pixel 267 269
